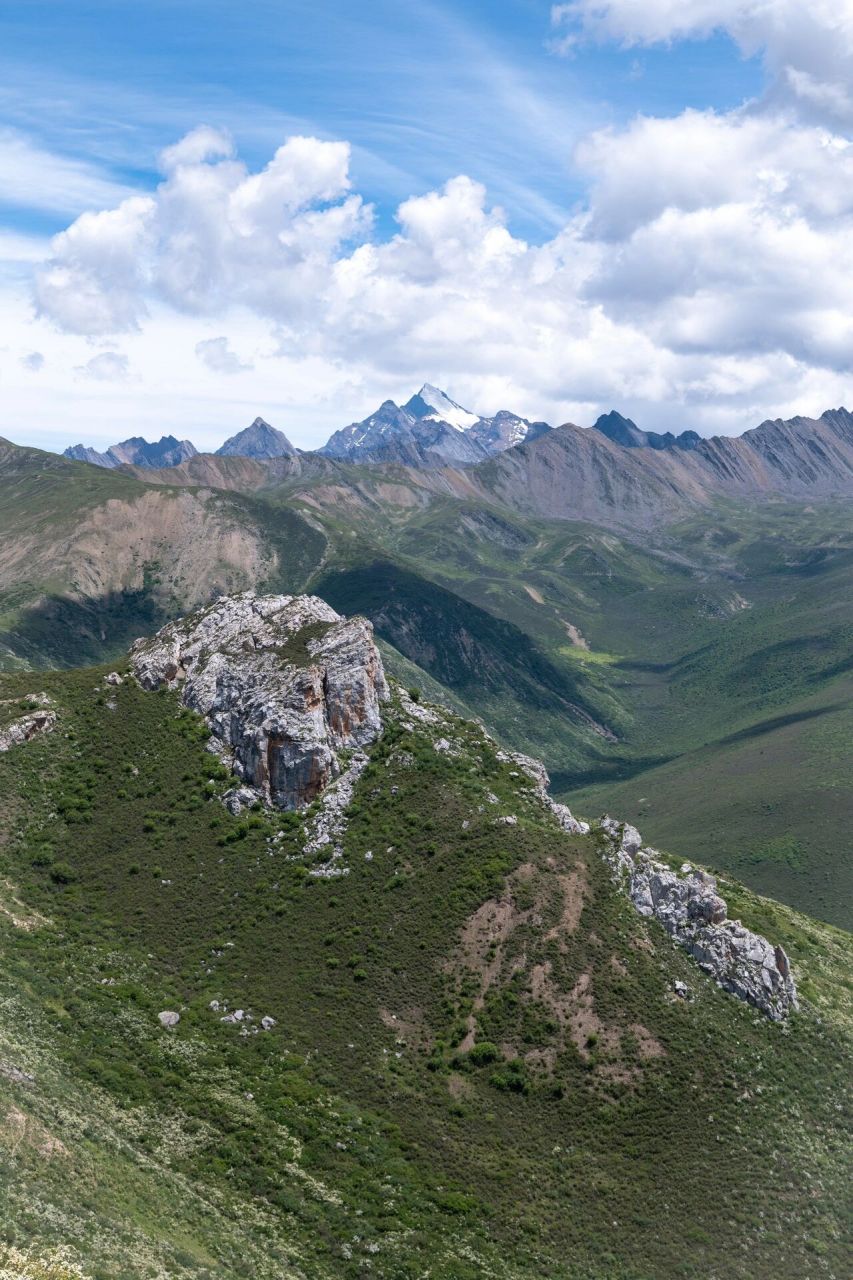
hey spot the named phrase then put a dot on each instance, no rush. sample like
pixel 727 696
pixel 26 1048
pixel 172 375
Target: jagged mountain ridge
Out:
pixel 576 473
pixel 429 430
pixel 623 431
pixel 168 451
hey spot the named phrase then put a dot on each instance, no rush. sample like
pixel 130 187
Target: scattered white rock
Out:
pixel 538 775
pixel 329 827
pixel 693 913
pixel 168 1018
pixel 267 1022
pixel 236 1016
pixel 113 678
pixel 28 726
pixel 508 820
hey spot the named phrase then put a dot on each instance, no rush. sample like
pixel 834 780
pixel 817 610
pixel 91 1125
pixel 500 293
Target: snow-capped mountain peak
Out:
pixel 433 403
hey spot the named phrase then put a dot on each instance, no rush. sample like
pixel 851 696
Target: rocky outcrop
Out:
pixel 39 720
pixel 326 835
pixel 285 684
pixel 693 913
pixel 538 775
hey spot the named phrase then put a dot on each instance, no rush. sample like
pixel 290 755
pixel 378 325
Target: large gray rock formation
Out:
pixel 693 913
pixel 285 684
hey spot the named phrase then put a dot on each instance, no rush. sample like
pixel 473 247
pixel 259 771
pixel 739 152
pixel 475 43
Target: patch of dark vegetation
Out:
pixel 459 644
pixel 61 631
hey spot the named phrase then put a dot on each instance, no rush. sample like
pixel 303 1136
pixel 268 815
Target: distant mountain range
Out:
pixel 166 452
pixel 429 430
pixel 260 440
pixel 612 471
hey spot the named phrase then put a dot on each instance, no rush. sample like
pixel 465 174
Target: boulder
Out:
pixel 168 1018
pixel 29 726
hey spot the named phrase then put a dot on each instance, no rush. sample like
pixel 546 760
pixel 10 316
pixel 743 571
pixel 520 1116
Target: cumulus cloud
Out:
pixel 218 356
pixel 33 361
pixel 807 45
pixel 212 235
pixel 707 268
pixel 109 366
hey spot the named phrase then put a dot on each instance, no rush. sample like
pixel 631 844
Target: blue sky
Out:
pixel 629 177
pixel 422 91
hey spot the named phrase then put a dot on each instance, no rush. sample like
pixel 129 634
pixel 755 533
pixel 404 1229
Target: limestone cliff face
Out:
pixel 694 915
pixel 284 682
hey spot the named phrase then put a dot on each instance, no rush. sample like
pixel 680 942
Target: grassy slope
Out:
pixel 347 1132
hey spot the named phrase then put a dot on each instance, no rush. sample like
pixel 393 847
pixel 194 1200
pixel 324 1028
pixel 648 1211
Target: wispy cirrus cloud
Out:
pixel 32 177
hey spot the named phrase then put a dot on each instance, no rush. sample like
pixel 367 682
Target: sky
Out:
pixel 211 211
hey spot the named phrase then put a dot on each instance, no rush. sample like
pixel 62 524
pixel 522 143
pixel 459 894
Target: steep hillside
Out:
pixel 466 1045
pixel 90 557
pixel 573 473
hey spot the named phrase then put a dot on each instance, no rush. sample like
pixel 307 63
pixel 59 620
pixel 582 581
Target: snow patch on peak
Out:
pixel 445 409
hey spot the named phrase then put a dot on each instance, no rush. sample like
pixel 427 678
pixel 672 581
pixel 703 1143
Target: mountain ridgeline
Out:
pixel 613 471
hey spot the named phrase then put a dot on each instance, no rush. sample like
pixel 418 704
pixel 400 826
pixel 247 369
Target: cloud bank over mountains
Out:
pixel 701 283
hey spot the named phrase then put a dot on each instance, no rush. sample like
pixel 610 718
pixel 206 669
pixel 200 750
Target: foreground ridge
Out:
pixel 692 912
pixel 289 688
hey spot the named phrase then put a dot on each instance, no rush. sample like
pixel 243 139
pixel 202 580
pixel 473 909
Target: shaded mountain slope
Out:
pixel 572 473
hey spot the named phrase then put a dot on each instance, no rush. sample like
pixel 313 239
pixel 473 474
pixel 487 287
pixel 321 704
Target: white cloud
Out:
pixel 218 356
pixel 109 366
pixel 211 236
pixel 703 285
pixel 200 144
pixel 33 178
pixel 807 45
pixel 34 361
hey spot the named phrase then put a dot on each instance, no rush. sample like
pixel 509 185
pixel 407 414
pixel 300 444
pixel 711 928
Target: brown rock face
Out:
pixel 284 682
